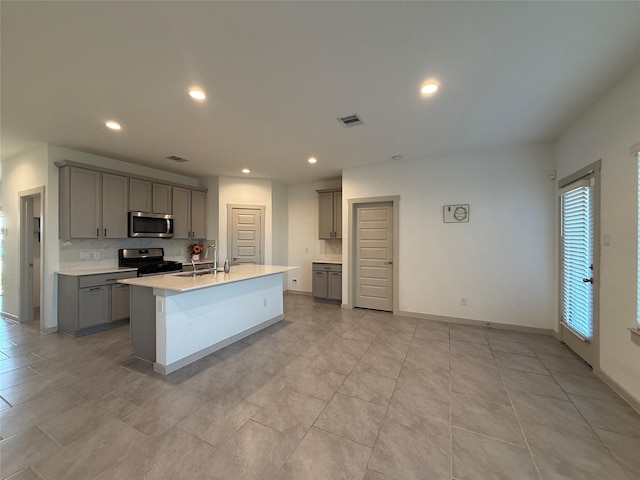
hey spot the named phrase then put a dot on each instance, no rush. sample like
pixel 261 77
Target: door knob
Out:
pixel 389 263
pixel 587 280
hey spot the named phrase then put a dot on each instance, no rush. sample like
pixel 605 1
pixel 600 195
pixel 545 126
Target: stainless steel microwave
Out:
pixel 150 225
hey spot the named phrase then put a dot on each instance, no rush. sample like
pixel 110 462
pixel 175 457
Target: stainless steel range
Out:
pixel 148 261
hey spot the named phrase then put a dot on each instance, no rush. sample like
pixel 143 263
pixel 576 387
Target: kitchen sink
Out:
pixel 198 273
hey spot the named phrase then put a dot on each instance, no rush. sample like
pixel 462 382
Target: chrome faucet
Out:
pixel 194 266
pixel 212 268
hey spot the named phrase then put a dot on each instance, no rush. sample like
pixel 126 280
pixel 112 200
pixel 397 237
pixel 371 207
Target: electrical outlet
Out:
pixel 97 255
pixel 464 301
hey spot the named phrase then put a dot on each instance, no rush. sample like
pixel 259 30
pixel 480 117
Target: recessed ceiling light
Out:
pixel 197 94
pixel 312 160
pixel 113 125
pixel 246 170
pixel 429 88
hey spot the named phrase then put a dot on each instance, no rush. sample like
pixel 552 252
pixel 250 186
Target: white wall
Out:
pixel 280 207
pixel 244 191
pixel 22 172
pixel 607 131
pixel 304 245
pixel 502 260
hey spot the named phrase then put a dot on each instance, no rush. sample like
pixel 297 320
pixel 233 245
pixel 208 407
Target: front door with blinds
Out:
pixel 578 263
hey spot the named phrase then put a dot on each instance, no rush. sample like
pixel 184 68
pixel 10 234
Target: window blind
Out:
pixel 577 257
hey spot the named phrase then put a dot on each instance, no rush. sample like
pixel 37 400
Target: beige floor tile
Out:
pixel 472 383
pixel 403 453
pixel 564 455
pixel 255 452
pixel 161 413
pixel 322 455
pixel 259 387
pixel 362 334
pixel 440 335
pixel 624 449
pixel 420 412
pixel 369 387
pixel 17 376
pixel 567 365
pixel 3 406
pixel 337 361
pixel 175 455
pixel 544 385
pixel 487 418
pixel 389 349
pixel 397 336
pixel 435 383
pixel 509 346
pixel 141 389
pixel 28 414
pixel 476 457
pixel 291 413
pixel 26 474
pixel 550 412
pixel 472 336
pixel 583 386
pixel 609 416
pixel 379 365
pixel 38 387
pixel 219 419
pixel 352 418
pixel 471 349
pixel 105 382
pixel 420 357
pixel 81 421
pixel 23 449
pixel 520 362
pixel 8 364
pixel 317 383
pixel 87 458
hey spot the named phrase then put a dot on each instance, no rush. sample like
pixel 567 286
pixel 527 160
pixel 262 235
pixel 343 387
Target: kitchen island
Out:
pixel 178 318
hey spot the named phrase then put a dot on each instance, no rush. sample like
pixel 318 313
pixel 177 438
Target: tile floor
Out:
pixel 325 394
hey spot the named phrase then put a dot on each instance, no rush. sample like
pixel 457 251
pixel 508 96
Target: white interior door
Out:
pixel 246 235
pixel 578 227
pixel 374 256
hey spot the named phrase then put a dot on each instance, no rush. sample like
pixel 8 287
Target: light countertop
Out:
pixel 334 262
pixel 185 281
pixel 96 271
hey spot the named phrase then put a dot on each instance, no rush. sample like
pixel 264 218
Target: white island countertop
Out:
pixel 96 271
pixel 186 281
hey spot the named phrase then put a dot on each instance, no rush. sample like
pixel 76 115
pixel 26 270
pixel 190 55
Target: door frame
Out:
pixel 352 228
pixel 595 169
pixel 230 208
pixel 25 312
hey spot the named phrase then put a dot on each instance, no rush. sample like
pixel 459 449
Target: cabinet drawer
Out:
pixel 326 267
pixel 103 278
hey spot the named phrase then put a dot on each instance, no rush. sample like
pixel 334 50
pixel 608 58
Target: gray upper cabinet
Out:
pixel 189 213
pixel 139 195
pixel 198 214
pixel 162 202
pixel 114 206
pixel 92 204
pixel 329 214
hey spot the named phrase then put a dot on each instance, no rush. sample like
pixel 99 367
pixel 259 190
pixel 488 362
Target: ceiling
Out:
pixel 278 74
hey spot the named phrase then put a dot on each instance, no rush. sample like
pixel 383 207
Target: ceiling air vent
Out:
pixel 350 120
pixel 175 158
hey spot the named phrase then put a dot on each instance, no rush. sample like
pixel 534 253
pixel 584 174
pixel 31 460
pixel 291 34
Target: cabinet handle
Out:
pixel 110 280
pixel 105 232
pixel 97 231
pixel 95 288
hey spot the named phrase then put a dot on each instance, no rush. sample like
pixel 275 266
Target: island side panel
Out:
pixel 198 322
pixel 142 324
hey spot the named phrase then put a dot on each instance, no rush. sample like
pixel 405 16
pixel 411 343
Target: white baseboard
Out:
pixel 619 389
pixel 9 316
pixel 479 323
pixel 297 292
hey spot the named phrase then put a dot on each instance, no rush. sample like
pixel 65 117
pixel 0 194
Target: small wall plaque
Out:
pixel 456 213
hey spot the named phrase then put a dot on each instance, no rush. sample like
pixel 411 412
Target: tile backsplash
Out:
pixel 72 253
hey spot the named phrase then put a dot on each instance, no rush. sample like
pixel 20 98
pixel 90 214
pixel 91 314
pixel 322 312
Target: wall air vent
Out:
pixel 350 120
pixel 175 158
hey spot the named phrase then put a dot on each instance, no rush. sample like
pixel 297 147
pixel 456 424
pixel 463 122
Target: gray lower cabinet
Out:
pixel 326 281
pixel 90 303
